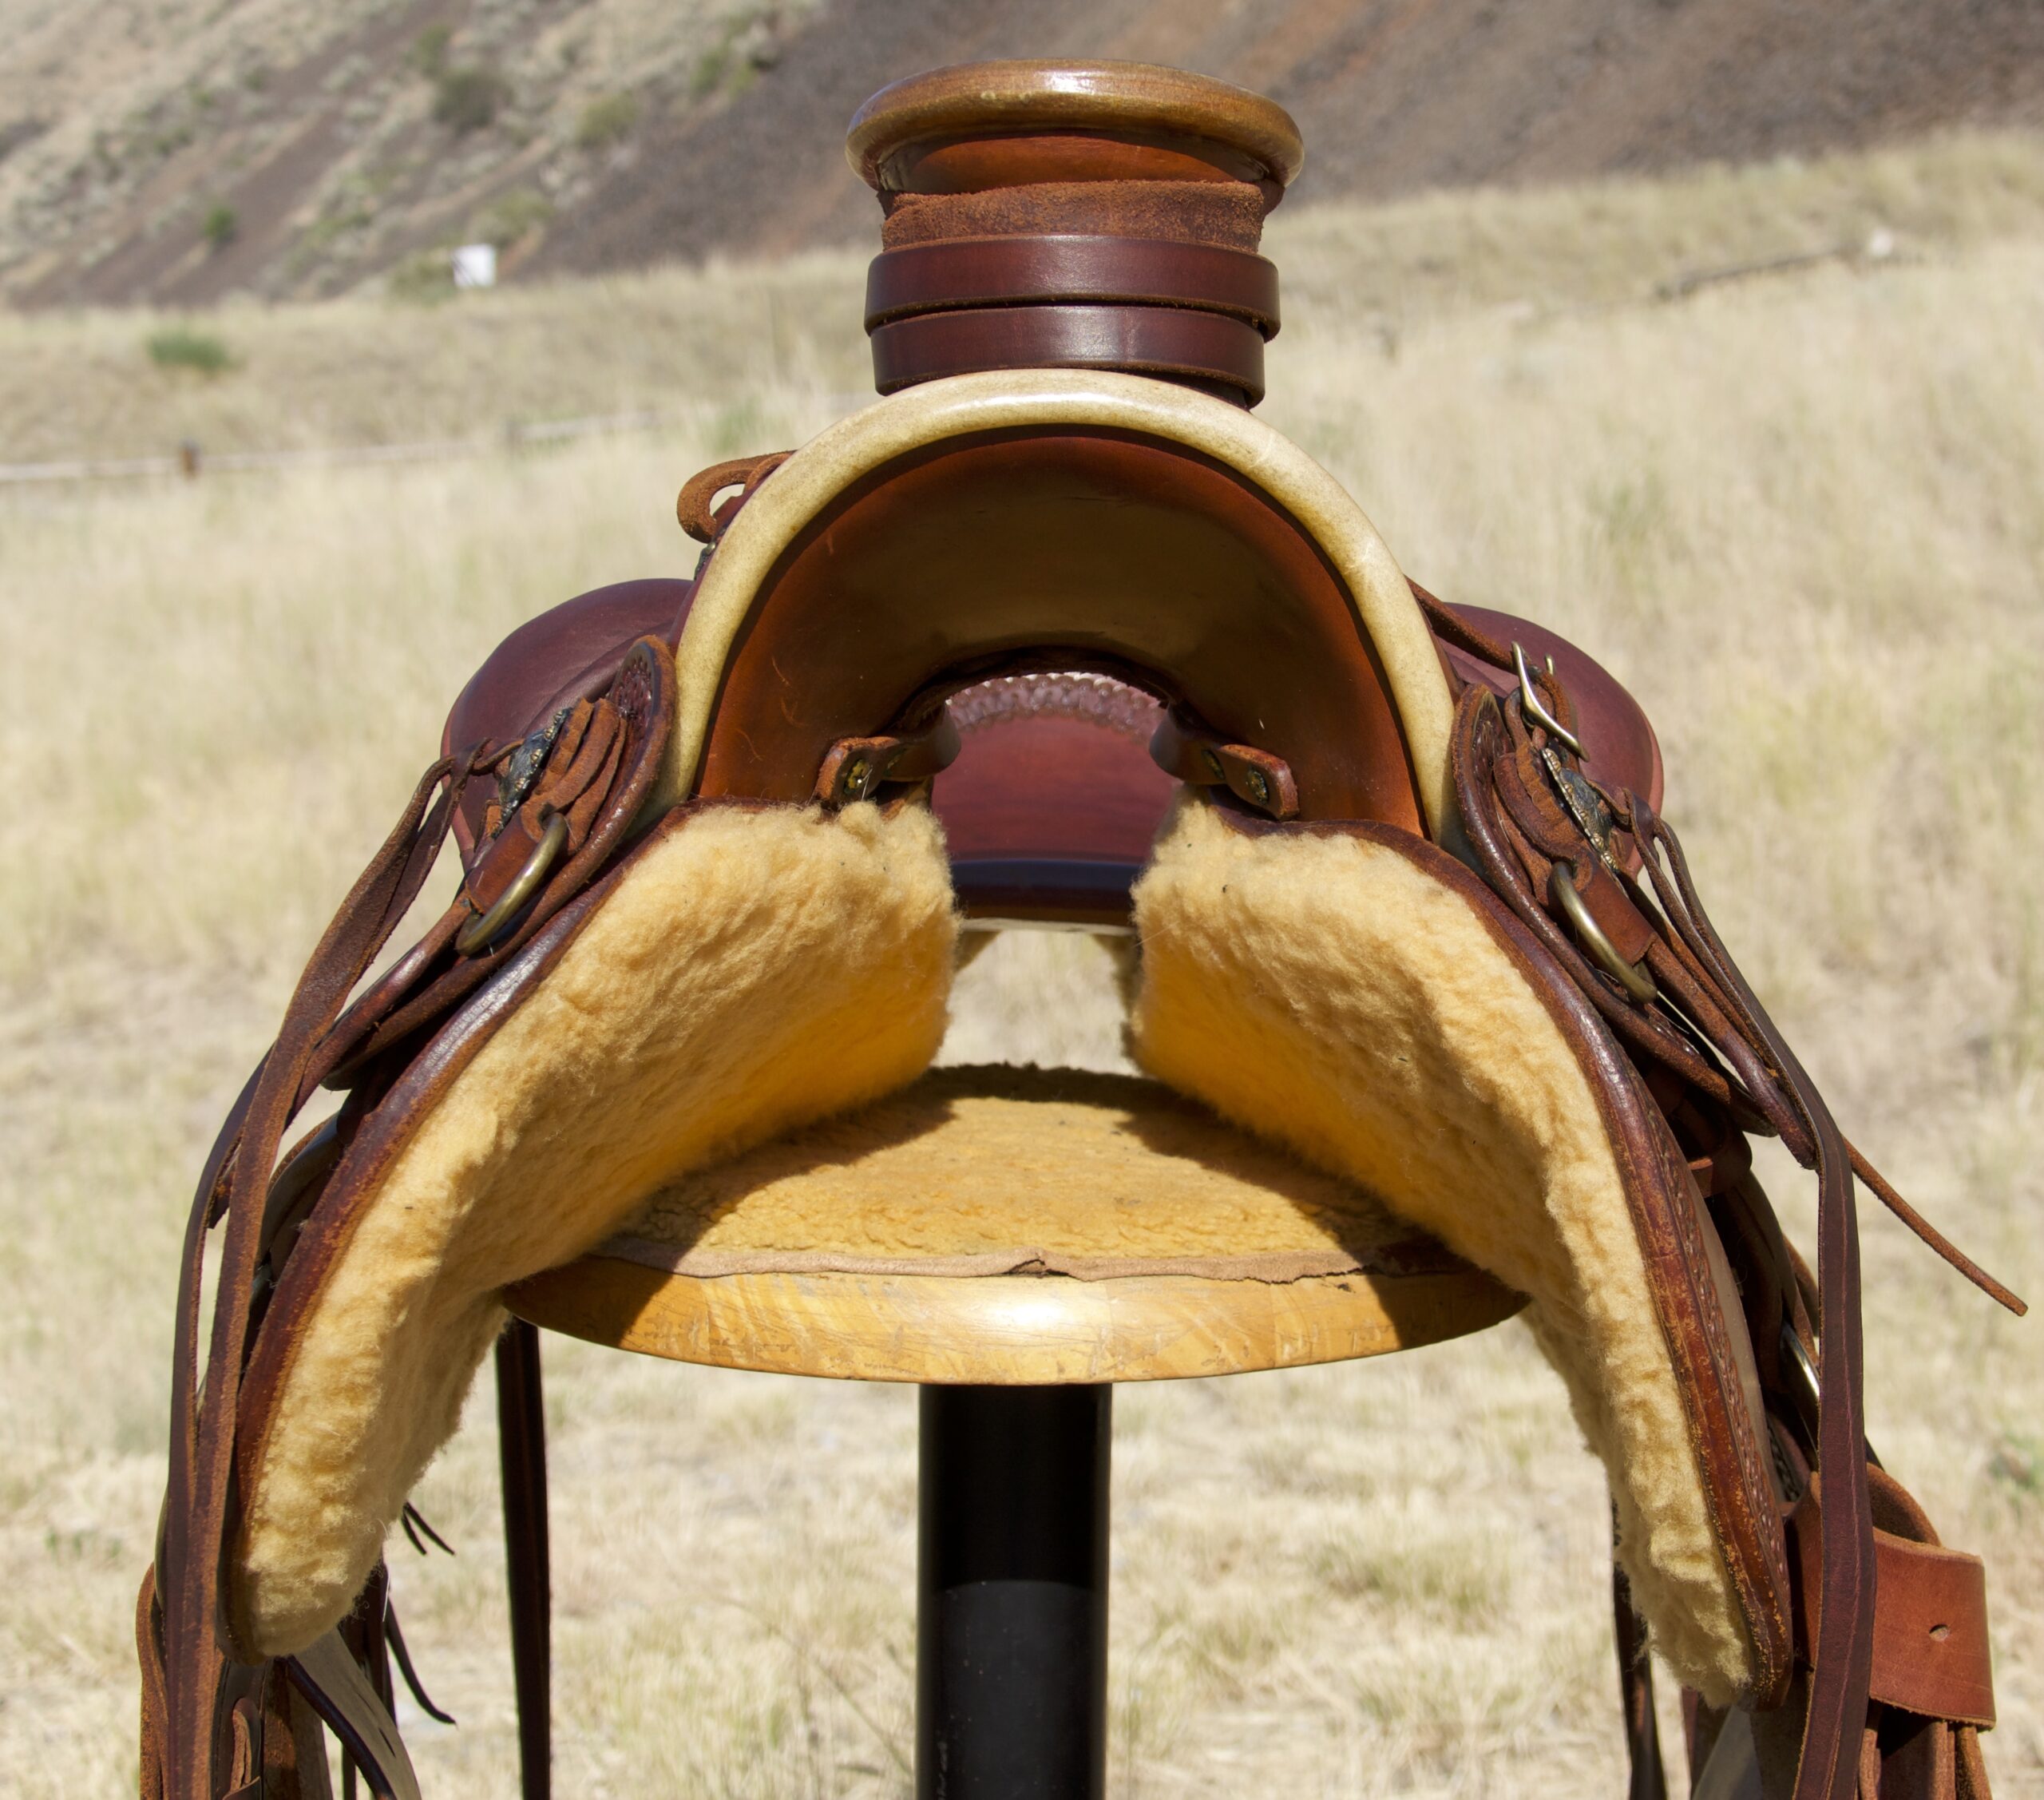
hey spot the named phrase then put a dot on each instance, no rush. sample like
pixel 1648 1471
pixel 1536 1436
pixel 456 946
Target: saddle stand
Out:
pixel 1435 1029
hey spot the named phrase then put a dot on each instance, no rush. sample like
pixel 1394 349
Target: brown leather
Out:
pixel 1229 216
pixel 1200 759
pixel 1646 1776
pixel 1049 810
pixel 208 1722
pixel 205 1742
pixel 380 1133
pixel 567 653
pixel 1932 1655
pixel 1514 827
pixel 1204 346
pixel 1045 786
pixel 424 986
pixel 695 508
pixel 1674 1232
pixel 992 105
pixel 1054 229
pixel 981 162
pixel 856 768
pixel 1088 549
pixel 1621 750
pixel 1024 271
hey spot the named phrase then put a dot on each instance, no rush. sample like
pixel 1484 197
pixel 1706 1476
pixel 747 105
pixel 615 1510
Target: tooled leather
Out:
pixel 1662 1193
pixel 1479 720
pixel 201 1688
pixel 594 753
pixel 643 694
pixel 1722 1417
pixel 197 1711
pixel 570 652
pixel 1620 749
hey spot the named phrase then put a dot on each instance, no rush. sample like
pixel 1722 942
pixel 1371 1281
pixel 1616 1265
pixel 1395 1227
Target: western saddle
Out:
pixel 1434 1026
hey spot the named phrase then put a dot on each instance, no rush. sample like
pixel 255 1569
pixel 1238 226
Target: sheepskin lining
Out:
pixel 1328 991
pixel 751 972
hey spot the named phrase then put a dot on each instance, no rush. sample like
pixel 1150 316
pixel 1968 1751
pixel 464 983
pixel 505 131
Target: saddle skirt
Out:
pixel 1399 900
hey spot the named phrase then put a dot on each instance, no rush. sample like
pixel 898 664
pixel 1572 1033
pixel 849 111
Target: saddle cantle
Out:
pixel 1056 632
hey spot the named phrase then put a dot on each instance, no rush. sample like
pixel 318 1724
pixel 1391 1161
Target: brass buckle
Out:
pixel 475 937
pixel 1531 703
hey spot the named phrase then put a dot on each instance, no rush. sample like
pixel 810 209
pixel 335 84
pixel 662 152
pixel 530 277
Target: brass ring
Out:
pixel 1638 985
pixel 476 935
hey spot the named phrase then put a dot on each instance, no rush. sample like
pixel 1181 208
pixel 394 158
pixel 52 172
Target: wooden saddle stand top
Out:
pixel 1433 1024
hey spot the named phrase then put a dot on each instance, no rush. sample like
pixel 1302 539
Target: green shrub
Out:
pixel 606 121
pixel 221 226
pixel 181 347
pixel 425 278
pixel 510 216
pixel 429 51
pixel 710 70
pixel 467 99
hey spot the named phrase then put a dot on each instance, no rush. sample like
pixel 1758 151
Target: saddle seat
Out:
pixel 1013 1227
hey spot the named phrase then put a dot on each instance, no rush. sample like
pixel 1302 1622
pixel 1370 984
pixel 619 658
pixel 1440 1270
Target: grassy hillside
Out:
pixel 1798 514
pixel 182 151
pixel 714 347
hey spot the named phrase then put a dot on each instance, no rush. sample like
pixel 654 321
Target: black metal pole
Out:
pixel 1012 1594
pixel 521 1439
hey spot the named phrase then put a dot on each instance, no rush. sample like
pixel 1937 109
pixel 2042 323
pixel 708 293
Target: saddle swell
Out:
pixel 1054 800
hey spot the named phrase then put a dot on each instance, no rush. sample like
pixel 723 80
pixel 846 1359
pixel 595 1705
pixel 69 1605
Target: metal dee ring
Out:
pixel 476 935
pixel 1638 984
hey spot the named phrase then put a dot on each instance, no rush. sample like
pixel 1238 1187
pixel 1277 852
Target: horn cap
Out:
pixel 1058 215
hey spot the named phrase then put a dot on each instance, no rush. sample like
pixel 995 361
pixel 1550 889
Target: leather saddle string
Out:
pixel 192 1542
pixel 1647 1777
pixel 1842 1657
pixel 1723 976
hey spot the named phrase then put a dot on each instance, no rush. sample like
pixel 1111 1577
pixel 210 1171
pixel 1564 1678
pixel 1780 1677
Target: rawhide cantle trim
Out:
pixel 798 496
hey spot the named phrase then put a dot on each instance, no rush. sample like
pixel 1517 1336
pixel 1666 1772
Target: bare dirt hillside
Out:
pixel 179 151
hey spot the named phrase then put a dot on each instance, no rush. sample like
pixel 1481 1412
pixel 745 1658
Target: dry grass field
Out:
pixel 1800 515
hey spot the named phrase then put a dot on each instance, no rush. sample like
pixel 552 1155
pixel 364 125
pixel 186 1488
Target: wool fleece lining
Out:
pixel 1329 992
pixel 750 972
